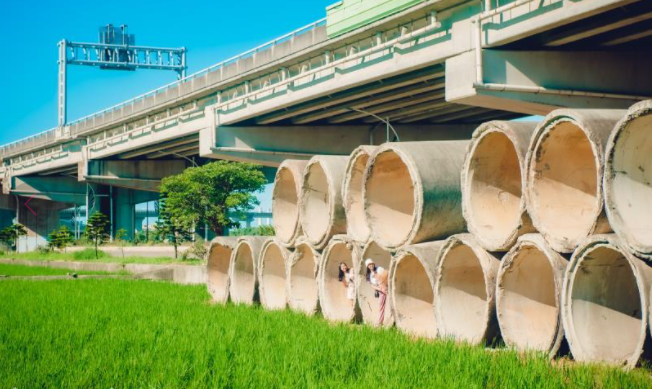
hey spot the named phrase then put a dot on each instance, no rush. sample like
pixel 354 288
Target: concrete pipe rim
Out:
pixel 346 314
pixel 512 258
pixel 639 246
pixel 269 299
pixel 563 244
pixel 485 273
pixel 365 290
pixel 219 293
pixel 508 236
pixel 313 307
pixel 393 298
pixel 580 351
pixel 235 294
pixel 417 201
pixel 286 234
pixel 321 238
pixel 357 226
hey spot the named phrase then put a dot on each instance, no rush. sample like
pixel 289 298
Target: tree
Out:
pixel 60 239
pixel 176 230
pixel 9 235
pixel 121 237
pixel 97 230
pixel 209 193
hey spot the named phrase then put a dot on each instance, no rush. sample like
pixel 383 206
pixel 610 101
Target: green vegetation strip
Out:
pixel 22 270
pixel 88 255
pixel 138 334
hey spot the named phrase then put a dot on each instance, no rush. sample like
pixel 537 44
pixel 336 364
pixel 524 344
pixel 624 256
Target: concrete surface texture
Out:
pixel 243 270
pixel 352 193
pixel 218 261
pixel 335 303
pixel 491 183
pixel 368 303
pixel 286 201
pixel 464 292
pixel 302 278
pixel 138 251
pixel 272 274
pixel 412 278
pixel 606 298
pixel 528 296
pixel 564 180
pixel 321 204
pixel 628 179
pixel 407 200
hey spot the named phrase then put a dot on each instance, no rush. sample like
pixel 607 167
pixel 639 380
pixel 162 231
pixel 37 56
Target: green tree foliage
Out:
pixel 97 230
pixel 9 235
pixel 174 229
pixel 60 239
pixel 207 194
pixel 121 238
pixel 256 231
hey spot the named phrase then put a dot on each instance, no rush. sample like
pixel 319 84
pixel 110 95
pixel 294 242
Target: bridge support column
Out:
pixel 124 213
pixel 40 217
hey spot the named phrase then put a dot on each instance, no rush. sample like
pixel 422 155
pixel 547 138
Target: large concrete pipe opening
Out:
pixel 218 260
pixel 302 280
pixel 628 179
pixel 367 298
pixel 565 164
pixel 244 279
pixel 491 183
pixel 286 200
pixel 335 303
pixel 407 200
pixel 321 206
pixel 413 273
pixel 528 296
pixel 357 227
pixel 465 291
pixel 605 298
pixel 272 274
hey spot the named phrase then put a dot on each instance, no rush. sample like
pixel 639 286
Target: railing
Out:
pixel 49 136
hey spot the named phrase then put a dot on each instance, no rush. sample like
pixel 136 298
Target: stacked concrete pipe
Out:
pixel 368 303
pixel 628 179
pixel 411 288
pixel 286 201
pixel 332 293
pixel 412 192
pixel 218 262
pixel 606 295
pixel 321 204
pixel 491 183
pixel 302 278
pixel 464 292
pixel 357 227
pixel 243 273
pixel 565 164
pixel 528 296
pixel 272 274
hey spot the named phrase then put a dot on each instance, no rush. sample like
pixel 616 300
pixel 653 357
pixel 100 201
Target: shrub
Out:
pixel 89 253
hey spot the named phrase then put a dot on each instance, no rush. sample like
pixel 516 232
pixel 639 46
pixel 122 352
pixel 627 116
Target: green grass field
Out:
pixel 21 270
pixel 139 334
pixel 88 255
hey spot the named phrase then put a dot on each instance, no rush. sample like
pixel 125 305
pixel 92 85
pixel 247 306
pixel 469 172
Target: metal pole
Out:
pixel 111 212
pixel 61 97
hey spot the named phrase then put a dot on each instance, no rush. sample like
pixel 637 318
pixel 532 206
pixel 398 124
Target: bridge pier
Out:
pixel 41 218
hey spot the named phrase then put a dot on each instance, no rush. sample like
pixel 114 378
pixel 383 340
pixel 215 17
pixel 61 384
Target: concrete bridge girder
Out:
pixel 137 174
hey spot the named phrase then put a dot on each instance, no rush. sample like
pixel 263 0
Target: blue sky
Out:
pixel 211 31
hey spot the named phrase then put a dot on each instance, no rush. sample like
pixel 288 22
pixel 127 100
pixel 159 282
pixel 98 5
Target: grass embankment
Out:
pixel 138 334
pixel 21 270
pixel 88 255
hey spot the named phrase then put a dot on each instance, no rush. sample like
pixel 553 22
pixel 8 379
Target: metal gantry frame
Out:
pixel 114 56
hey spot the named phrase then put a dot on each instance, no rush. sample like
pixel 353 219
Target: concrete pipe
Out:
pixel 412 278
pixel 218 260
pixel 412 192
pixel 272 274
pixel 321 205
pixel 528 296
pixel 491 184
pixel 565 164
pixel 286 201
pixel 606 293
pixel 368 303
pixel 302 278
pixel 464 294
pixel 243 270
pixel 357 227
pixel 335 300
pixel 628 179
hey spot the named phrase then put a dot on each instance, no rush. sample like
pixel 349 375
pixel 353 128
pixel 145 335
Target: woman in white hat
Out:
pixel 378 278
